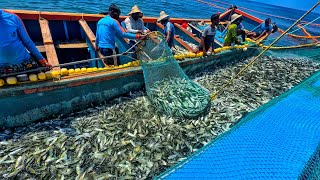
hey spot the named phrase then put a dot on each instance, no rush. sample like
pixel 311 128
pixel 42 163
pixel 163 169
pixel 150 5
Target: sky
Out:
pixel 295 4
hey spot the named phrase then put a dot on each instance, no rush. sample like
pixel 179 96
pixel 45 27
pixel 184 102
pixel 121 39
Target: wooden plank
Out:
pixel 88 31
pixel 41 48
pixel 92 38
pixel 187 32
pixel 34 15
pixel 248 16
pixel 72 45
pixel 65 46
pixel 180 41
pixel 48 43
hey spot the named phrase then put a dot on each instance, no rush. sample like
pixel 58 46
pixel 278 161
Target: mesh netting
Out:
pixel 168 87
pixel 280 140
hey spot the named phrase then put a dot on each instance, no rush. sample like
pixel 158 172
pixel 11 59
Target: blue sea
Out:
pixel 175 8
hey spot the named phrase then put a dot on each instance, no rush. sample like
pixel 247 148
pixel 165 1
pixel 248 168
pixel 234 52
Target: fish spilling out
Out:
pixel 128 139
pixel 179 97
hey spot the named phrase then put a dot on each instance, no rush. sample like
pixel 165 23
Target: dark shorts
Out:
pixel 207 47
pixel 109 52
pixel 24 66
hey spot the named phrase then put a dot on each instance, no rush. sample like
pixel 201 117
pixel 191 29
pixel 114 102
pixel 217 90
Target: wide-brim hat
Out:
pixel 163 16
pixel 235 17
pixel 135 9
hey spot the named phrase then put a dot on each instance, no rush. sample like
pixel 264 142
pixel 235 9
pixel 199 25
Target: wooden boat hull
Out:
pixel 25 104
pixel 69 37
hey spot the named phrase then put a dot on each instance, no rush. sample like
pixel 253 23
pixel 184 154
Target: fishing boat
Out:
pixel 65 39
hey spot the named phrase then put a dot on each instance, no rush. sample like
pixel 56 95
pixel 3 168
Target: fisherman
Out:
pixel 240 31
pixel 169 30
pixel 134 24
pixel 208 34
pixel 14 43
pixel 264 29
pixel 232 36
pixel 107 29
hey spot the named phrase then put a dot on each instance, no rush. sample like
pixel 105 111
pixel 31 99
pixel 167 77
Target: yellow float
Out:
pixel 33 77
pixel 71 71
pixel 42 76
pixel 12 80
pixel 48 75
pixel 64 71
pixel 55 74
pixel 1 82
pixel 77 71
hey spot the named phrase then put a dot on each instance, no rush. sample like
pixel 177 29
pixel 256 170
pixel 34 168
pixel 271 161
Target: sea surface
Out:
pixel 175 8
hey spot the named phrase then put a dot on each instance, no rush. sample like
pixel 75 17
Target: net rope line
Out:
pixel 213 96
pixel 271 15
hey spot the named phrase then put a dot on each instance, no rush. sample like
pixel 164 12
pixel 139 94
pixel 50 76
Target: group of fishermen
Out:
pixel 15 43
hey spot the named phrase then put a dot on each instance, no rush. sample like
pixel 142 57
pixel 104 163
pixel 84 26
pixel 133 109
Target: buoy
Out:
pixel 42 76
pixel 71 71
pixel 11 80
pixel 77 71
pixel 94 69
pixel 100 69
pixel 89 70
pixel 1 82
pixel 83 70
pixel 33 77
pixel 55 74
pixel 48 75
pixel 245 49
pixel 64 71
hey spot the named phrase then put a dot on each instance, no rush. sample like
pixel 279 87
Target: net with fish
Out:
pixel 168 87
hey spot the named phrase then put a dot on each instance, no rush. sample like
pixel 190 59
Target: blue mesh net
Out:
pixel 280 140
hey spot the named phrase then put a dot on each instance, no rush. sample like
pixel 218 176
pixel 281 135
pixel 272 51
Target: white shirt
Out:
pixel 134 26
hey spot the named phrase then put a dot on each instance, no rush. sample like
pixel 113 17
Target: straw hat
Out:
pixel 163 16
pixel 135 9
pixel 235 17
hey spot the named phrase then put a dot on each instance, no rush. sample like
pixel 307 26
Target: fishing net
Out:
pixel 168 87
pixel 280 140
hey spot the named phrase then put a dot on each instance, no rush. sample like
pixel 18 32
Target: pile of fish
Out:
pixel 128 139
pixel 179 97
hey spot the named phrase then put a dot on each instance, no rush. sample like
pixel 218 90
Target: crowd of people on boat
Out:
pixel 19 53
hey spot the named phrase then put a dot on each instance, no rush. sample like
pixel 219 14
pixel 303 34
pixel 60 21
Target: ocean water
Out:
pixel 176 8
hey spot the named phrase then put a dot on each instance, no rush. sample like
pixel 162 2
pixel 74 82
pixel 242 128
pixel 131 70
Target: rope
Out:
pixel 213 5
pixel 271 15
pixel 302 27
pixel 213 96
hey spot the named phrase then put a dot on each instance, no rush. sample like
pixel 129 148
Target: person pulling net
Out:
pixel 168 87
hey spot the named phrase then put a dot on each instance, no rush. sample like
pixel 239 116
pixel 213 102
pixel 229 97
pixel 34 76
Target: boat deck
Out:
pixel 280 140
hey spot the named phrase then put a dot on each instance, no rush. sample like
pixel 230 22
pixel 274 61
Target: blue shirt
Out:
pixel 14 41
pixel 169 27
pixel 107 29
pixel 262 27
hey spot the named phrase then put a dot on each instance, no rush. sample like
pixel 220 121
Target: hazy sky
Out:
pixel 295 4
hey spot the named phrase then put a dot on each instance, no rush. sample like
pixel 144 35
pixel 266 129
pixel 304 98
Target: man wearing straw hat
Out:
pixel 134 23
pixel 169 30
pixel 232 36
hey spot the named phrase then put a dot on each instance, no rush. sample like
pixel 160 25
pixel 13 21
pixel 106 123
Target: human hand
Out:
pixel 142 37
pixel 45 63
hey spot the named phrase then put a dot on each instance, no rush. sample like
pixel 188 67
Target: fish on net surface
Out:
pixel 168 87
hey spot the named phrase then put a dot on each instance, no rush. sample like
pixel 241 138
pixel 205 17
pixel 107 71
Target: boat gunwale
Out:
pixel 34 15
pixel 78 80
